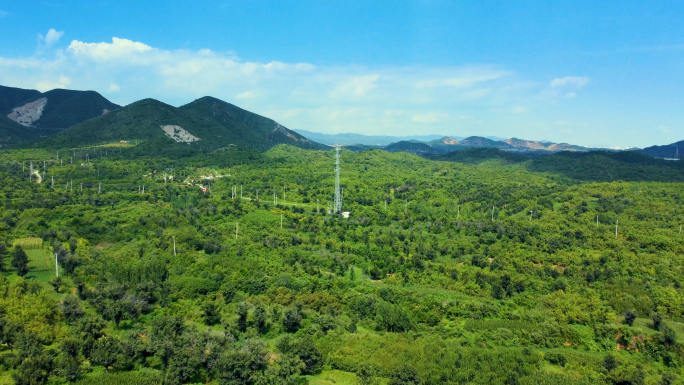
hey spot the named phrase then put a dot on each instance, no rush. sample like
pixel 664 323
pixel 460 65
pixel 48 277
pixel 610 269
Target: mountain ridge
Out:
pixel 207 122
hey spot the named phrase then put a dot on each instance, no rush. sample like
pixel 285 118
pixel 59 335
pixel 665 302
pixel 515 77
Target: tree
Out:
pixel 212 313
pixel 669 335
pixel 308 353
pixel 260 316
pixel 242 311
pixel 68 365
pixel 3 254
pixel 365 374
pixel 9 332
pixel 238 366
pixel 71 308
pixel 105 352
pixel 291 320
pixel 630 317
pixel 34 370
pixel 404 375
pixel 657 320
pixel 609 362
pixel 20 261
pixel 393 318
pixel 118 311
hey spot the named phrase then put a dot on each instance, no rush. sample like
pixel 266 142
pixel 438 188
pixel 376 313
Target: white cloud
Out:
pixel 477 94
pixel 119 49
pixel 430 117
pixel 467 77
pixel 571 95
pixel 47 85
pixel 398 100
pixel 51 37
pixel 575 81
pixel 355 87
pixel 246 95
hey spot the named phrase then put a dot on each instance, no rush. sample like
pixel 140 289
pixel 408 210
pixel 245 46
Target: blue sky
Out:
pixel 584 72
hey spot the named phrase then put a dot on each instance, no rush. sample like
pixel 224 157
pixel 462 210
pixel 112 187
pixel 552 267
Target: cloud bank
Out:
pixel 451 100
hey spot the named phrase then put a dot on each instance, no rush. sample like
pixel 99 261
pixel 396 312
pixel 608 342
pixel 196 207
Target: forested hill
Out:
pixel 246 128
pixel 206 123
pixel 600 166
pixel 58 110
pixel 13 133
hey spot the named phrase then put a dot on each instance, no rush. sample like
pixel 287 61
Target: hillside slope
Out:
pixel 673 150
pixel 207 122
pixel 245 128
pixel 12 133
pixel 55 109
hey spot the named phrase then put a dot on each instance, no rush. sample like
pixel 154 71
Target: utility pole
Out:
pixel 338 195
pixel 174 245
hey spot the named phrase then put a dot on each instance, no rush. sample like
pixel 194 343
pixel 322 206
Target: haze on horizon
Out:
pixel 608 74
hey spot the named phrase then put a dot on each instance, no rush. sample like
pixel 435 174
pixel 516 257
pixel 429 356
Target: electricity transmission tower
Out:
pixel 338 197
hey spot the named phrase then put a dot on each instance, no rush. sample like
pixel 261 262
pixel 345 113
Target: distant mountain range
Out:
pixel 436 144
pixel 67 118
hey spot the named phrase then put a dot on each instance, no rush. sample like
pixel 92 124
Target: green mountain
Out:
pixel 598 166
pixel 206 122
pixel 245 128
pixel 413 147
pixel 66 108
pixel 12 133
pixel 11 97
pixel 27 115
pixel 479 155
pixel 674 150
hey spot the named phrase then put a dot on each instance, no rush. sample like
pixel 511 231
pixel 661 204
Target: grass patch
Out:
pixel 329 377
pixel 41 264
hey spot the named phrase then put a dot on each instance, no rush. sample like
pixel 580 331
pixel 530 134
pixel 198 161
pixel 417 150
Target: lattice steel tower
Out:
pixel 338 197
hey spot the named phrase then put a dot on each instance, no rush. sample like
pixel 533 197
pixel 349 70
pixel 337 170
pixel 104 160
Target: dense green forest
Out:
pixel 181 267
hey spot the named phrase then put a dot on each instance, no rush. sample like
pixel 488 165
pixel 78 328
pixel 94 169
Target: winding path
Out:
pixel 39 179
